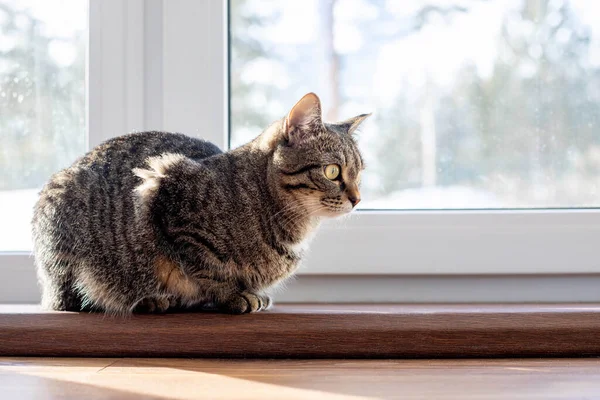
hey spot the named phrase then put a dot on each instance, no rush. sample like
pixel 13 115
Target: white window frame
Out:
pixel 162 65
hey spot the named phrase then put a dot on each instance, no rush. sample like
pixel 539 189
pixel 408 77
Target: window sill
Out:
pixel 312 331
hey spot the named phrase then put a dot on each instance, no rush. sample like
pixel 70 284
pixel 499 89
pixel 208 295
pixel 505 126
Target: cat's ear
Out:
pixel 304 120
pixel 351 124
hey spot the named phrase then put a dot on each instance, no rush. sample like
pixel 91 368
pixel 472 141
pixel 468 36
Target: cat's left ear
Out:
pixel 351 124
pixel 304 120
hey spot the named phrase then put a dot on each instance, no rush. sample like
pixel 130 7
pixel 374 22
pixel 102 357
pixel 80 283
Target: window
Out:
pixel 42 98
pixel 478 104
pixel 485 114
pixel 482 151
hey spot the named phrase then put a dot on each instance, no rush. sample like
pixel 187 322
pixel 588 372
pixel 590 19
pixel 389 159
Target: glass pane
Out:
pixel 42 104
pixel 477 104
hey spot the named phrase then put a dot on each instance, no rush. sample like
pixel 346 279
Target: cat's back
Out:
pixel 132 150
pixel 113 161
pixel 91 202
pixel 109 166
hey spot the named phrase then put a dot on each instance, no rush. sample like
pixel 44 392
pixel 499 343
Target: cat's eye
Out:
pixel 331 171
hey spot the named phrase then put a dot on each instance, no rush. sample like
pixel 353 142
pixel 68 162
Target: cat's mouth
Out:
pixel 336 207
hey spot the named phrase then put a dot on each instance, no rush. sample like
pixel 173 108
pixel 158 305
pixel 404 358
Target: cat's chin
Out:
pixel 329 213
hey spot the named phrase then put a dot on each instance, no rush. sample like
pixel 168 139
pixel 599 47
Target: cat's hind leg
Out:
pixel 57 284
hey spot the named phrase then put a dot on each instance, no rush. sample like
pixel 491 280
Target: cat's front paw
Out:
pixel 267 302
pixel 246 302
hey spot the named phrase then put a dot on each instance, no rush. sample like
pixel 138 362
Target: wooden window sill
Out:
pixel 307 331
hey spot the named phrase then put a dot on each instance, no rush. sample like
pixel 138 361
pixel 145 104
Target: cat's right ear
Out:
pixel 304 120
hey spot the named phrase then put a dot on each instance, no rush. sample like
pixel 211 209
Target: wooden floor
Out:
pixel 44 378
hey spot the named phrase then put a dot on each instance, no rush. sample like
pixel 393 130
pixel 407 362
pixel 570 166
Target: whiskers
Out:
pixel 291 207
pixel 294 214
pixel 336 205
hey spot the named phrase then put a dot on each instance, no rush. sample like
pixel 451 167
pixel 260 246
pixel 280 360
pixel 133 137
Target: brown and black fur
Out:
pixel 154 220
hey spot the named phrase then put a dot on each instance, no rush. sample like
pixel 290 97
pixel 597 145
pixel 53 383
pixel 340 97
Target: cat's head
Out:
pixel 316 164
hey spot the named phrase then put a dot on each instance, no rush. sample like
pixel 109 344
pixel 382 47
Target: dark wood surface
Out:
pixel 187 379
pixel 312 331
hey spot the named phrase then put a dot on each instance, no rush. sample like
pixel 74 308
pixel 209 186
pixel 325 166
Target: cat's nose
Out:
pixel 354 200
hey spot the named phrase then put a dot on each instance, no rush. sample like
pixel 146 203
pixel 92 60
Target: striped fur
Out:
pixel 153 220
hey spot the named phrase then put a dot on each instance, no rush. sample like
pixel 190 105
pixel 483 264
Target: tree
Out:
pixel 535 112
pixel 527 132
pixel 244 50
pixel 42 117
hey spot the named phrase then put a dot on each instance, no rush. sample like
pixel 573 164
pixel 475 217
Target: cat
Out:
pixel 152 221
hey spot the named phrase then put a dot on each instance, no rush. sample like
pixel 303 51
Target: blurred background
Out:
pixel 477 103
pixel 43 47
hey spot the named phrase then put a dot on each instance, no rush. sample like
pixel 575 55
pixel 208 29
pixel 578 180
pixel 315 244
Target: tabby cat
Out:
pixel 150 221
